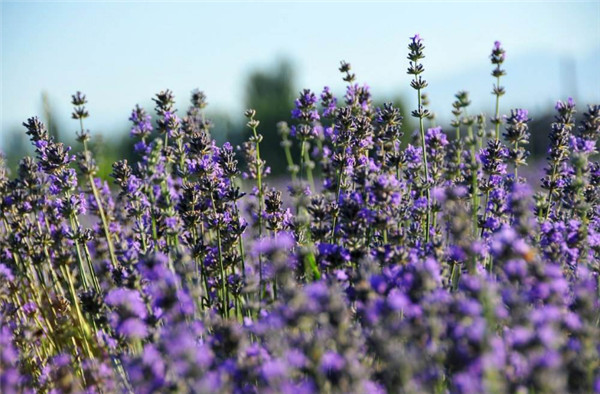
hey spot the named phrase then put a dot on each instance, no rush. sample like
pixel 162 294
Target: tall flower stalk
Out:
pixel 497 57
pixel 257 171
pixel 306 112
pixel 558 153
pixel 415 68
pixel 517 134
pixel 495 151
pixel 88 167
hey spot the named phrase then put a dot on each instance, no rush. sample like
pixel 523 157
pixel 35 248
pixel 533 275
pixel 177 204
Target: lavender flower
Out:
pixel 391 267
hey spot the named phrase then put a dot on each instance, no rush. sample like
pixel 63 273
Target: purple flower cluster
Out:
pixel 384 267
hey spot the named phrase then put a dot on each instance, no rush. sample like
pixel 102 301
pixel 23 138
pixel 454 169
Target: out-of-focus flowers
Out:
pixel 389 267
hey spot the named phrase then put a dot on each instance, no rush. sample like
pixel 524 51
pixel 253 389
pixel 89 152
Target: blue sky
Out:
pixel 121 53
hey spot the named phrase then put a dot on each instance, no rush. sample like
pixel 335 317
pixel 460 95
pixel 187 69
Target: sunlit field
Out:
pixel 380 262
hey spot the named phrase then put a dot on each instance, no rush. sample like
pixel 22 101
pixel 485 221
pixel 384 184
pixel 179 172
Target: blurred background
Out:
pixel 260 54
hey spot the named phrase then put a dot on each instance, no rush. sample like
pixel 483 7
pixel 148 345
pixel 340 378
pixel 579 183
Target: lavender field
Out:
pixel 375 266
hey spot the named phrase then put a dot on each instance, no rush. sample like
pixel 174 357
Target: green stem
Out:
pixel 516 165
pixel 425 167
pixel 474 185
pixel 55 280
pixel 550 192
pixel 82 272
pixel 497 120
pixel 458 150
pixel 302 149
pixel 105 226
pixel 82 323
pixel 288 156
pixel 455 276
pixel 309 175
pixel 338 191
pixel 224 292
pixel 88 259
pixel 259 185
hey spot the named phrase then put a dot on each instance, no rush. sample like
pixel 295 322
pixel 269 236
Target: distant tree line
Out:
pixel 270 91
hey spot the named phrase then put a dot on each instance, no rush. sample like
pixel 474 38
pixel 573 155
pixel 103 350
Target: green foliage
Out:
pixel 271 93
